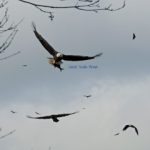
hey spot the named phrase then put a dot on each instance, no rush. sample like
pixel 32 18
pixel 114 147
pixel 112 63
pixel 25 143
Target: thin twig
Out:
pixel 14 54
pixel 90 5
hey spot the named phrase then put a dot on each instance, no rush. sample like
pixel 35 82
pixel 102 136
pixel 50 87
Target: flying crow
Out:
pixel 54 117
pixel 134 36
pixel 132 126
pixel 13 112
pixel 56 61
pixel 116 134
pixel 24 65
pixel 87 96
pixel 37 113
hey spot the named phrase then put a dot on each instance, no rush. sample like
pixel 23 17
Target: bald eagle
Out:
pixel 54 117
pixel 56 61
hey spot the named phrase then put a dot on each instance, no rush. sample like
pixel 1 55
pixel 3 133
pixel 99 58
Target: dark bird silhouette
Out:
pixel 24 65
pixel 87 96
pixel 83 108
pixel 132 126
pixel 116 134
pixel 56 61
pixel 37 113
pixel 13 111
pixel 54 117
pixel 134 36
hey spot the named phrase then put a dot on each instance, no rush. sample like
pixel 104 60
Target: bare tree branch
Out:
pixel 90 5
pixel 8 41
pixel 4 18
pixel 9 31
pixel 10 38
pixel 11 27
pixel 14 54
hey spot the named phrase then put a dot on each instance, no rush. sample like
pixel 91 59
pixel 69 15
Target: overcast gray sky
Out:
pixel 119 84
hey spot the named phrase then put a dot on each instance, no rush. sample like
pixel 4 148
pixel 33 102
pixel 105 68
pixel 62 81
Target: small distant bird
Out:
pixel 13 111
pixel 24 65
pixel 134 36
pixel 132 126
pixel 37 113
pixel 116 134
pixel 83 108
pixel 54 117
pixel 56 61
pixel 87 96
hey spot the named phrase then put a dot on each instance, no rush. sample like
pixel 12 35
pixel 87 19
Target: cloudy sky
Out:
pixel 119 82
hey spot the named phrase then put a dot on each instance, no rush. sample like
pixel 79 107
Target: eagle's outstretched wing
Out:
pixel 79 58
pixel 136 130
pixel 65 114
pixel 41 117
pixel 126 127
pixel 45 44
pixel 52 116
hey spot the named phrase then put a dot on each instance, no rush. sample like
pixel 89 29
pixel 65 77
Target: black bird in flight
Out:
pixel 83 108
pixel 56 61
pixel 13 112
pixel 87 96
pixel 37 113
pixel 24 65
pixel 134 36
pixel 116 134
pixel 54 117
pixel 132 126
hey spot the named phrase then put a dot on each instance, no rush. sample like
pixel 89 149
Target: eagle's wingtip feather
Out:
pixel 33 26
pixel 97 55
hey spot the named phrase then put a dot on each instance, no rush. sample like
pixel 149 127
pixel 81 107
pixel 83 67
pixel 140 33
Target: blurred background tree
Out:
pixel 7 31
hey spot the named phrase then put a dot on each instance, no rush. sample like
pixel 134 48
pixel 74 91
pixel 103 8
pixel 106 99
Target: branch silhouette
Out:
pixel 82 5
pixel 7 31
pixel 16 53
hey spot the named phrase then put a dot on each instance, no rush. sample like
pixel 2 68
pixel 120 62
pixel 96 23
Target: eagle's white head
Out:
pixel 59 55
